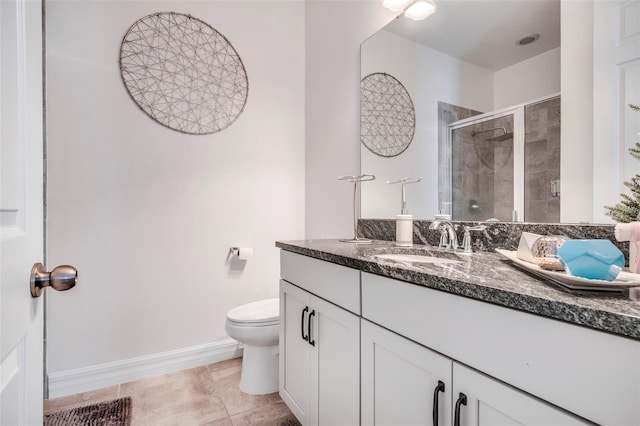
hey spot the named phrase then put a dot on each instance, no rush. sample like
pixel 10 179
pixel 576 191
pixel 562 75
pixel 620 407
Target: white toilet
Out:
pixel 256 326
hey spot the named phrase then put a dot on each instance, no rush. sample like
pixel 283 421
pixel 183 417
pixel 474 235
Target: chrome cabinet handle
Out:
pixel 462 400
pixel 305 338
pixel 311 341
pixel 61 278
pixel 436 392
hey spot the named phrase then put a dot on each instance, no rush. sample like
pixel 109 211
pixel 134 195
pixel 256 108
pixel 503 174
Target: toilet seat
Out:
pixel 256 326
pixel 261 313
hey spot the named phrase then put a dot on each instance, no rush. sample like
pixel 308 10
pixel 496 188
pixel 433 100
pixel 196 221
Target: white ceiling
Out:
pixel 484 32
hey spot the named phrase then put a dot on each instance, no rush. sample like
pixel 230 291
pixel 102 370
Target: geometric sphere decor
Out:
pixel 183 73
pixel 387 116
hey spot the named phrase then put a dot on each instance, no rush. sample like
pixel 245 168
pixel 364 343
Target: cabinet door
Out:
pixel 399 380
pixel 335 363
pixel 490 402
pixel 295 361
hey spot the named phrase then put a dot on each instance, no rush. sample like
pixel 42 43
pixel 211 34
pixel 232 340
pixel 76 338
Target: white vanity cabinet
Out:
pixel 403 381
pixel 518 360
pixel 363 349
pixel 319 341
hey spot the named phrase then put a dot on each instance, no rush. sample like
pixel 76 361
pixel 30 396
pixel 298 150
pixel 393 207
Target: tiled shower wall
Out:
pixel 542 161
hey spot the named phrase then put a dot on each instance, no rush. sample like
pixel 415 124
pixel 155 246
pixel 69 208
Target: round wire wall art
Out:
pixel 183 73
pixel 387 115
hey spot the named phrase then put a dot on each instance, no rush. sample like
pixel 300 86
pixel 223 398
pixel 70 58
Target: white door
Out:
pixel 21 211
pixel 295 355
pixel 335 365
pixel 616 84
pixel 402 381
pixel 480 400
pixel 319 359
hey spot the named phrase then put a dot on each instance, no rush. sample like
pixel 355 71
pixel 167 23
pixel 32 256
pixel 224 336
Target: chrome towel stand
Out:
pixel 403 198
pixel 356 196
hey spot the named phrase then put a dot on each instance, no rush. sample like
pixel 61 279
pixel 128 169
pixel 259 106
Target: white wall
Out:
pixel 576 151
pixel 527 80
pixel 429 76
pixel 600 77
pixel 333 34
pixel 148 214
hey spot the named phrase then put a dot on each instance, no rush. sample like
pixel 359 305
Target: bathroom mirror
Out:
pixel 490 141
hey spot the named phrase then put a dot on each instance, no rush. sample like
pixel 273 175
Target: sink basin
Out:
pixel 414 259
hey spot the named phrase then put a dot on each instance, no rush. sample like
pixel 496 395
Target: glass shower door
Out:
pixel 482 166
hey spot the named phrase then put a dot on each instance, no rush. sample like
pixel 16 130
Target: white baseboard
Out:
pixel 113 373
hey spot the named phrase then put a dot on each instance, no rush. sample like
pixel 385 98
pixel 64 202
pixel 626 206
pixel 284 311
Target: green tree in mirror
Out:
pixel 628 210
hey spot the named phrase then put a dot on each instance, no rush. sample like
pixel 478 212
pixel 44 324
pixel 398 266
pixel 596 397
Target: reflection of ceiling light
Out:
pixel 396 5
pixel 528 39
pixel 414 9
pixel 420 10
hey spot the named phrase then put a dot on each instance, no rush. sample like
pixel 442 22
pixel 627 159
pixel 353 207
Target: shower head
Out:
pixel 501 138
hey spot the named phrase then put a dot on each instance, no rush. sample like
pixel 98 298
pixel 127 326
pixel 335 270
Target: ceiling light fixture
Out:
pixel 413 9
pixel 396 5
pixel 420 10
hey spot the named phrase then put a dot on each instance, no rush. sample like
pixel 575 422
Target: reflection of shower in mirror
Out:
pixel 508 162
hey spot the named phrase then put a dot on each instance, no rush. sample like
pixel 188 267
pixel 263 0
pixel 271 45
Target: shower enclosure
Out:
pixel 505 165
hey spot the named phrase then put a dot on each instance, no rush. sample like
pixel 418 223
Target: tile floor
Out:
pixel 207 395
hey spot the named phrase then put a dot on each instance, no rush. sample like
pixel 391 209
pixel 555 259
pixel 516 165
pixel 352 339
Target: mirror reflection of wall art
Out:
pixel 183 73
pixel 387 116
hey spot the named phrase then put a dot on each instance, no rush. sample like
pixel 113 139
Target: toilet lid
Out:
pixel 261 311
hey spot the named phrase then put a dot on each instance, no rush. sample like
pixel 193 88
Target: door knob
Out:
pixel 61 278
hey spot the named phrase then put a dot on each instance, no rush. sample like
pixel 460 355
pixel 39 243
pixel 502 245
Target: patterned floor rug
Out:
pixel 108 413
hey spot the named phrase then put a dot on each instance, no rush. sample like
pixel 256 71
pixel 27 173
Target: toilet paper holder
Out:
pixel 242 253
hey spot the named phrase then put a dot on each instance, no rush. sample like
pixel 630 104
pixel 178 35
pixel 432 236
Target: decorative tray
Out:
pixel 624 281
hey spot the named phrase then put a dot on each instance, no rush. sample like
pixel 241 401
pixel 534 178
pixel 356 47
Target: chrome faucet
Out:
pixel 448 237
pixel 466 240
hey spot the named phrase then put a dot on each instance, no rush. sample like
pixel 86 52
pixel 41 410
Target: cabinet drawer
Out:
pixel 337 284
pixel 590 373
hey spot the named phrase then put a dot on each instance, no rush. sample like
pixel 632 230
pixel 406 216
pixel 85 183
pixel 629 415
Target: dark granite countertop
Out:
pixel 487 277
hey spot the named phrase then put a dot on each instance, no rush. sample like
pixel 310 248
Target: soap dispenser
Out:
pixel 404 221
